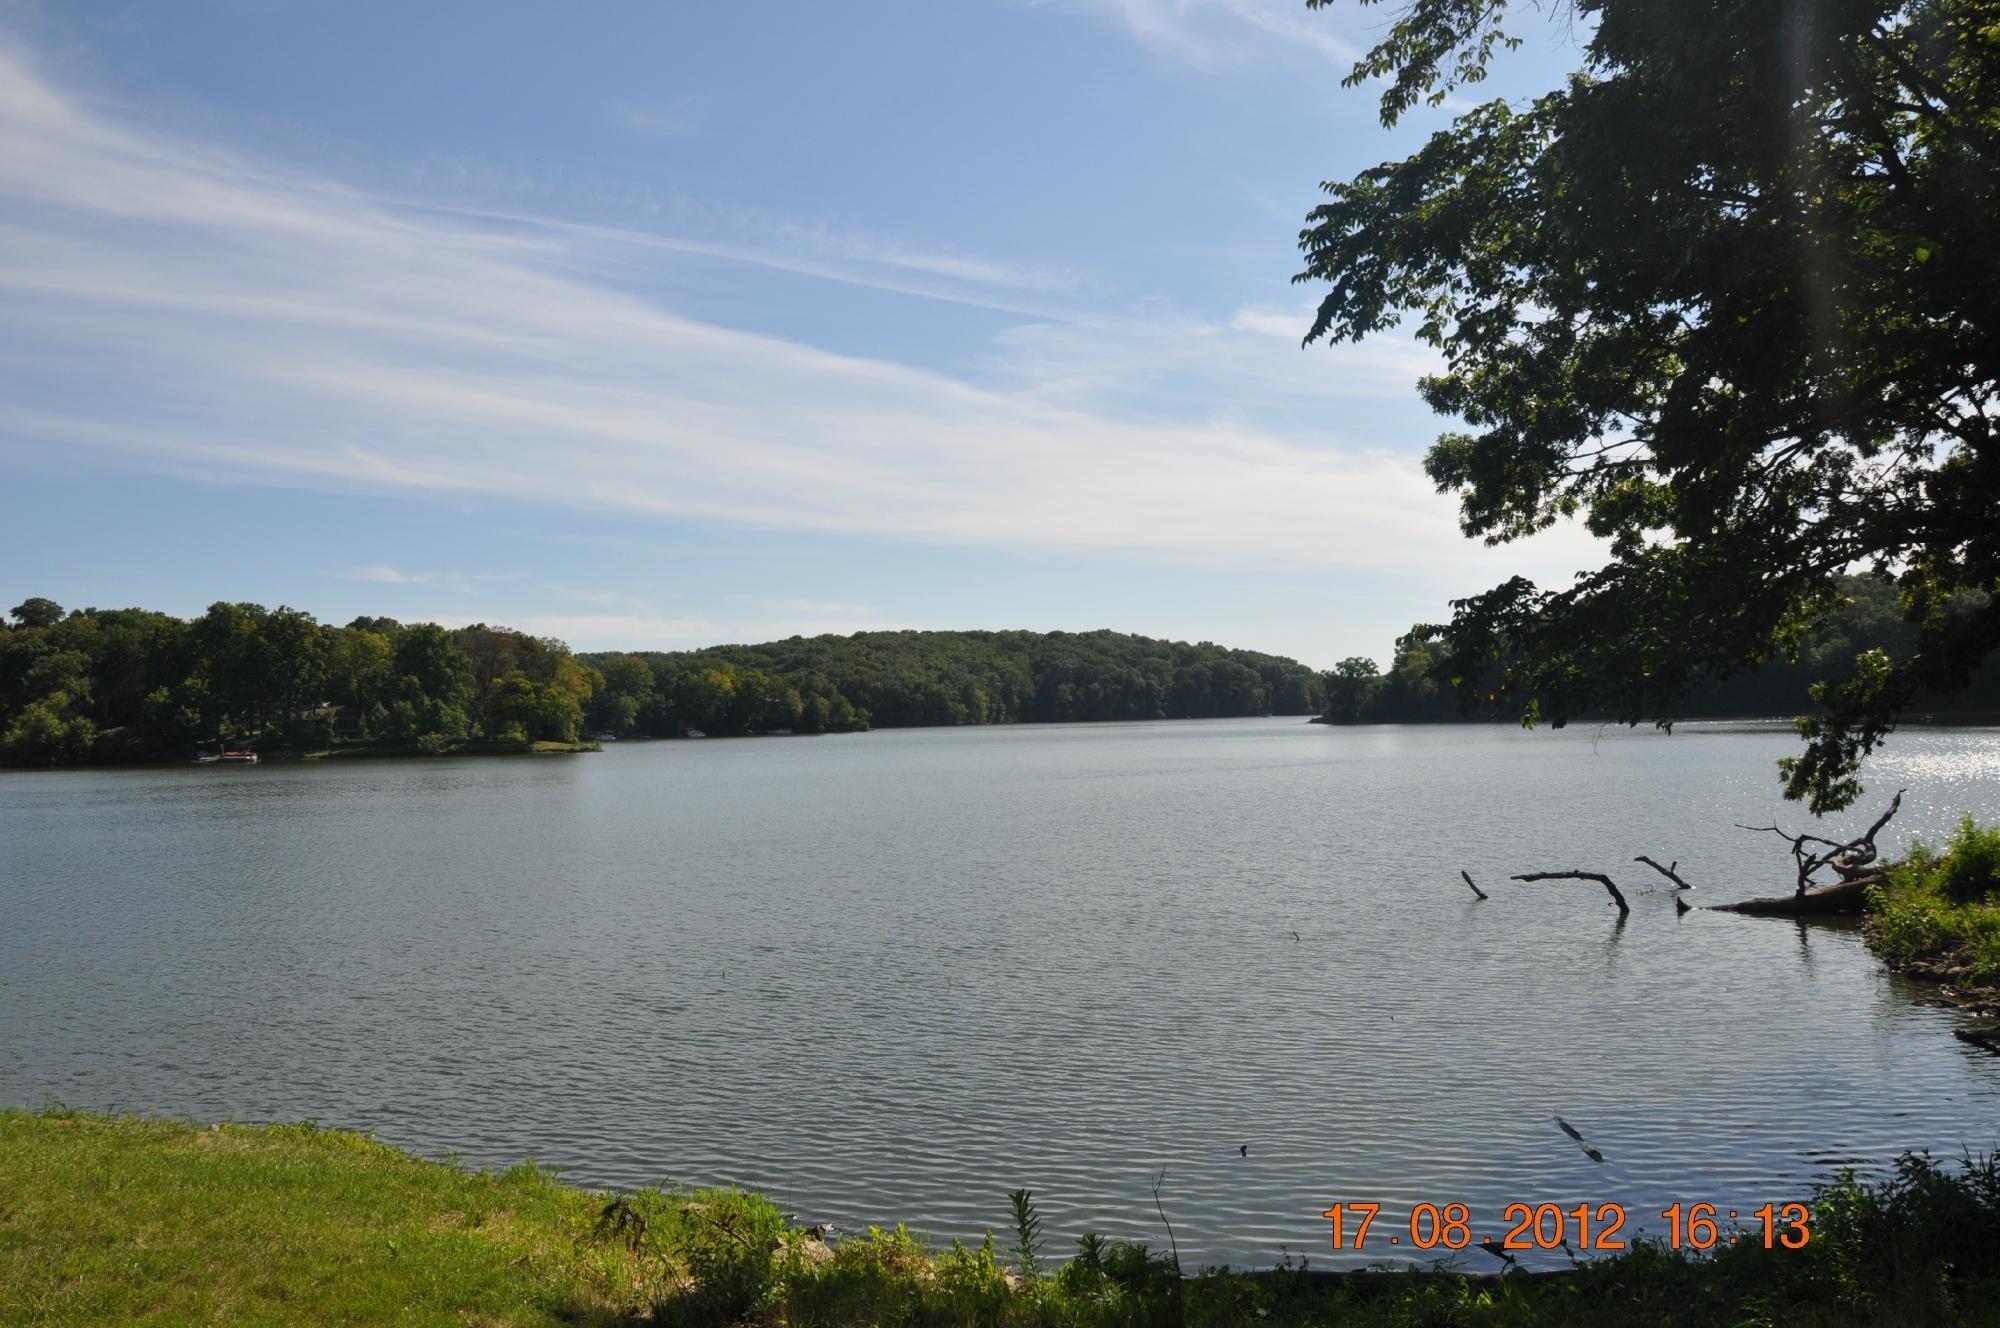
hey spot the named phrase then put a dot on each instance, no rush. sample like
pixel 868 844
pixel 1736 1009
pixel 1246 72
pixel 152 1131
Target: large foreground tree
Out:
pixel 1732 297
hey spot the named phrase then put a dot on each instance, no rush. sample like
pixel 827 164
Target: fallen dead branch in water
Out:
pixel 1666 871
pixel 1617 896
pixel 1851 860
pixel 1846 899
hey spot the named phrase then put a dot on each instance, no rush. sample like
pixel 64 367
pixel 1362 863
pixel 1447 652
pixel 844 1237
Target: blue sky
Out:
pixel 661 325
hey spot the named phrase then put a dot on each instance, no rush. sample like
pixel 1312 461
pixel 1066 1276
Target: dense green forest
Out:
pixel 136 685
pixel 902 679
pixel 1870 617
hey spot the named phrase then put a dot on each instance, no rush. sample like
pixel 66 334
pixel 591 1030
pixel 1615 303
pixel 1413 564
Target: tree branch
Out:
pixel 1850 860
pixel 1667 871
pixel 1617 897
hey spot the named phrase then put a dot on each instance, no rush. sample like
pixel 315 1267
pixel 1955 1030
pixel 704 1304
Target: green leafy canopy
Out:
pixel 1731 297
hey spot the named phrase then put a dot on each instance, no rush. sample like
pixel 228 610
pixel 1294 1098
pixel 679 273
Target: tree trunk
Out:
pixel 1846 899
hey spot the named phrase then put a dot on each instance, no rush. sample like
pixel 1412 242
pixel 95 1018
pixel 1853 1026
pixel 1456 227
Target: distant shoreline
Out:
pixel 474 747
pixel 470 747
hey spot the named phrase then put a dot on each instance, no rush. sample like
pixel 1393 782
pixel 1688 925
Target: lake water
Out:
pixel 893 976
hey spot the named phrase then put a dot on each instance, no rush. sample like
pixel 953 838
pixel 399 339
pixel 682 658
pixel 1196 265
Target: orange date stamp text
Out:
pixel 1549 1226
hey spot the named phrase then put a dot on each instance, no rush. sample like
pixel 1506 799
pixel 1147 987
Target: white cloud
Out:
pixel 805 249
pixel 1247 367
pixel 384 574
pixel 941 263
pixel 1210 34
pixel 817 606
pixel 607 599
pixel 181 307
pixel 672 119
pixel 1278 325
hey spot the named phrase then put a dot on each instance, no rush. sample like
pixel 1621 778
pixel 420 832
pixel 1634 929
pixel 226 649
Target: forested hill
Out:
pixel 88 685
pixel 901 679
pixel 133 685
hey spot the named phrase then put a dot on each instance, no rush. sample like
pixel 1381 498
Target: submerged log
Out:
pixel 1846 899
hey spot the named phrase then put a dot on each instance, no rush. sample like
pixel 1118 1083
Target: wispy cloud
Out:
pixel 1247 368
pixel 1210 34
pixel 678 118
pixel 823 607
pixel 608 599
pixel 385 575
pixel 802 248
pixel 180 306
pixel 940 263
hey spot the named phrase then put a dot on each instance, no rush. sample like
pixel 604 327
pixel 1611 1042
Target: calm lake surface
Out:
pixel 893 976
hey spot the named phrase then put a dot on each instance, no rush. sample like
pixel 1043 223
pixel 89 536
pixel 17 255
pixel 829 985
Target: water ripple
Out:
pixel 890 978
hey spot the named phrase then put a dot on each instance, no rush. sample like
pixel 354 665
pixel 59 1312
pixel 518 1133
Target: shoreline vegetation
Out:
pixel 146 1221
pixel 131 686
pixel 468 747
pixel 1932 916
pixel 1936 918
pixel 1868 627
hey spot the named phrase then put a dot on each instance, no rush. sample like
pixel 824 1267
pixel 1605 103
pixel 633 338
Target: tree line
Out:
pixel 1867 623
pixel 911 678
pixel 137 685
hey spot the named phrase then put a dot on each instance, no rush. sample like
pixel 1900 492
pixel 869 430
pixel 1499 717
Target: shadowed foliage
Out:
pixel 1729 297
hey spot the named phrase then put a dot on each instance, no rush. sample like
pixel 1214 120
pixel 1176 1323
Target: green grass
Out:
pixel 134 1221
pixel 150 1222
pixel 1939 913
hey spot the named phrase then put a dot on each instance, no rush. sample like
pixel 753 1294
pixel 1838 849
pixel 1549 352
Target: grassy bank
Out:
pixel 150 1222
pixel 1938 916
pixel 129 1221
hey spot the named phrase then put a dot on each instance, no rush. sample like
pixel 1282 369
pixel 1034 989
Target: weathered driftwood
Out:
pixel 1845 899
pixel 1851 860
pixel 1666 871
pixel 1617 896
pixel 1468 880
